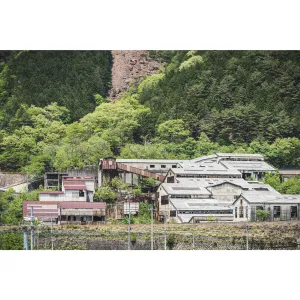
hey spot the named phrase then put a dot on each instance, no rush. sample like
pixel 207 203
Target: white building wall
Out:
pixel 70 195
pixel 90 185
pixel 226 192
pixel 163 208
pixel 245 205
pixel 52 197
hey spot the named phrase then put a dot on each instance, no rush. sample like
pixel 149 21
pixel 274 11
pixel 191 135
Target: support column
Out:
pixel 99 178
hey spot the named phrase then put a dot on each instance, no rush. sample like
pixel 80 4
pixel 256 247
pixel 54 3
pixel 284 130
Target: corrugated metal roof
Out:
pixel 269 198
pixel 75 187
pixel 203 158
pixel 186 188
pixel 158 161
pixel 77 178
pixel 289 171
pixel 204 165
pixel 235 155
pixel 186 218
pixel 41 210
pixel 196 204
pixel 247 165
pixel 205 171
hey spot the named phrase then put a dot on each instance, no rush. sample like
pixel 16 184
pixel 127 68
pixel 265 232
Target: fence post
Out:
pixel 247 242
pixel 193 240
pixel 25 239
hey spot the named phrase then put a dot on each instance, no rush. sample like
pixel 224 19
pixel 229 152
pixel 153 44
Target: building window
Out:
pixel 164 200
pixel 172 213
pixel 235 212
pixel 174 166
pixel 276 212
pixel 259 208
pixel 294 212
pixel 171 179
pixel 247 212
pixel 241 212
pixel 81 193
pixel 152 166
pixel 163 166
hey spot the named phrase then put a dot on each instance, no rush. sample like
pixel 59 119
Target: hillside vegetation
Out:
pixel 55 113
pixel 69 78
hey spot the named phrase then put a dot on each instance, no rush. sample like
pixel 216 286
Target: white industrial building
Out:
pixel 215 195
pixel 279 207
pixel 200 189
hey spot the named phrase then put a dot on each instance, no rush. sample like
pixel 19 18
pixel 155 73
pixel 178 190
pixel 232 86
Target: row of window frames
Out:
pixel 173 212
pixel 241 212
pixel 276 210
pixel 162 166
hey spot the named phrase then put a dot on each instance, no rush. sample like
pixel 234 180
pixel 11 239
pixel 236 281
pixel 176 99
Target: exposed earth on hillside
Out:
pixel 130 65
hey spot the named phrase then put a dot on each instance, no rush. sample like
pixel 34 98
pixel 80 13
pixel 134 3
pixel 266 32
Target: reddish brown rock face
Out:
pixel 130 66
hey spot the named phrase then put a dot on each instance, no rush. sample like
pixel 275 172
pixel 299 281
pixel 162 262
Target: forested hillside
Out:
pixel 55 113
pixel 69 78
pixel 230 95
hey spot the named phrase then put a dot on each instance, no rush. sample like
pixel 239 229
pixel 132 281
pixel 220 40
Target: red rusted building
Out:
pixel 74 204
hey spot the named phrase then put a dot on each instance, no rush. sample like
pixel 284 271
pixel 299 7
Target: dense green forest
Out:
pixel 55 113
pixel 70 78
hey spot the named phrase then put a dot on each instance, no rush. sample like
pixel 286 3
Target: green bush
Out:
pixel 11 241
pixel 262 215
pixel 171 241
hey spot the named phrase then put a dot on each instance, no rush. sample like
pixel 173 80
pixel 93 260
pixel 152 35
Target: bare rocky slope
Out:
pixel 130 66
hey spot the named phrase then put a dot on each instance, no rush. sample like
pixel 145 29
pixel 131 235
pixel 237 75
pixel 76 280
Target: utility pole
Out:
pixel 165 221
pixel 152 225
pixel 129 225
pixel 51 234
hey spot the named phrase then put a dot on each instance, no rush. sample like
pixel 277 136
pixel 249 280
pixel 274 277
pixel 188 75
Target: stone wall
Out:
pixel 9 180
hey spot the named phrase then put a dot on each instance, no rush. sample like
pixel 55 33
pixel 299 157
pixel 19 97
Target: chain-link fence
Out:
pixel 45 239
